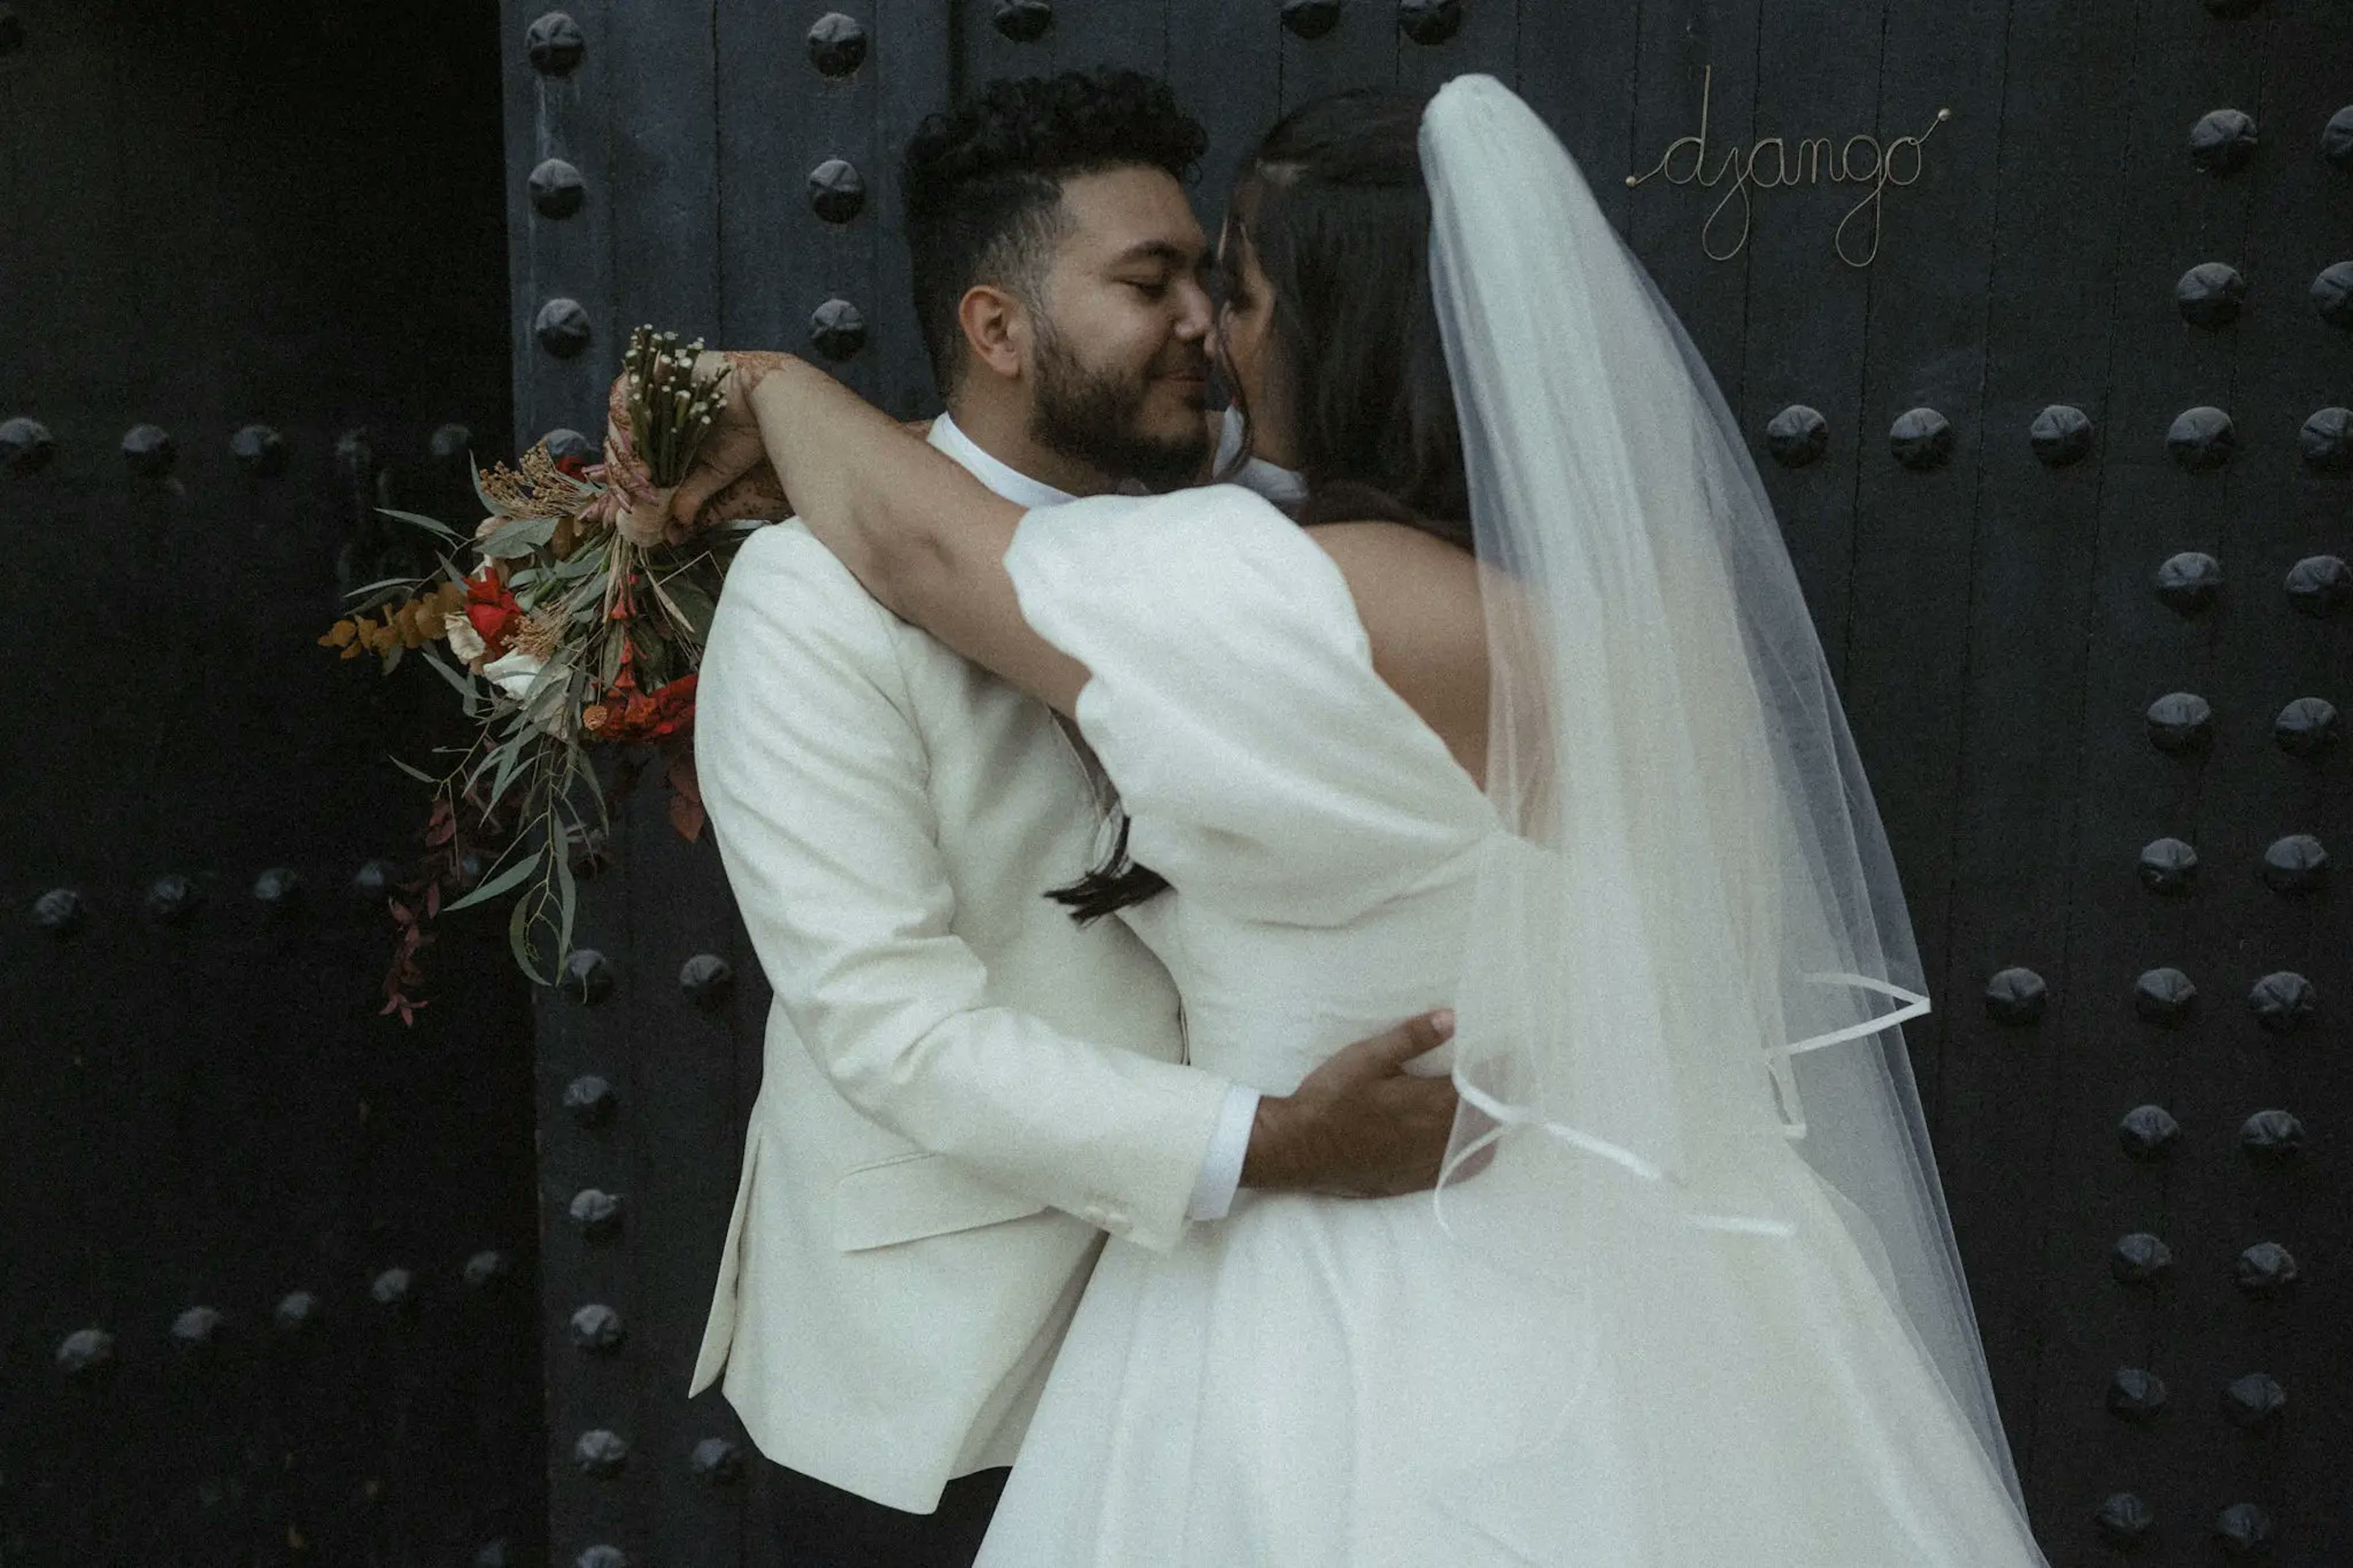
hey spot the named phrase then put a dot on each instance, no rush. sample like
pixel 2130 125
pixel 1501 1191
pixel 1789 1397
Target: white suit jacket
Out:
pixel 963 1088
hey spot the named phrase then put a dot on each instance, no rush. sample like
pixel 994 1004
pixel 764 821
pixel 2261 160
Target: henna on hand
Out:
pixel 756 492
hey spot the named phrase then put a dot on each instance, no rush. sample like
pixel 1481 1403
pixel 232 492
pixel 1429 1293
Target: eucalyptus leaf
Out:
pixel 516 941
pixel 465 688
pixel 505 881
pixel 518 538
pixel 419 775
pixel 382 583
pixel 443 529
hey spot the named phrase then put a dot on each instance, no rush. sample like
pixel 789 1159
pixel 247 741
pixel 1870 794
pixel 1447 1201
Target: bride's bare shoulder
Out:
pixel 1417 596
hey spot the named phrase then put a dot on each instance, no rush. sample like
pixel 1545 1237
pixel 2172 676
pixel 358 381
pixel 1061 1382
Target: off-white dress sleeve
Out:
pixel 1268 770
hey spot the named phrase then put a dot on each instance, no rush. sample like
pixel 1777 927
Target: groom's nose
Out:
pixel 1196 314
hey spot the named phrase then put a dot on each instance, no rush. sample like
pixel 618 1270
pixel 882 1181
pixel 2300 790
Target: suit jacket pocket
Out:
pixel 909 1197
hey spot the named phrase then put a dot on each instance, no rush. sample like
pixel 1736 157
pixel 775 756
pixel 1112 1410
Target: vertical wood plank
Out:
pixel 1924 347
pixel 1225 70
pixel 1361 50
pixel 1576 68
pixel 2139 649
pixel 2050 340
pixel 2285 67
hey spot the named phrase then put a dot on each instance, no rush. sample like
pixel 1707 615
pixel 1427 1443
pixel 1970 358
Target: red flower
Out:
pixel 494 611
pixel 631 715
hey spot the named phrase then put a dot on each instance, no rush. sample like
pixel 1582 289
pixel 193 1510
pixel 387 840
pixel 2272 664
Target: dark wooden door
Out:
pixel 2054 417
pixel 267 1259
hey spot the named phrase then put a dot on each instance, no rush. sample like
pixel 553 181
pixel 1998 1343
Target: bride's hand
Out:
pixel 732 476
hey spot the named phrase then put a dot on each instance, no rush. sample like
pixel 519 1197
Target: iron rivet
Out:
pixel 2296 864
pixel 1310 18
pixel 837 191
pixel 197 1329
pixel 2211 294
pixel 2253 1399
pixel 596 1213
pixel 836 44
pixel 2180 721
pixel 597 1329
pixel 717 1462
pixel 297 1311
pixel 556 189
pixel 2167 866
pixel 2139 1258
pixel 2222 140
pixel 566 442
pixel 2201 440
pixel 2332 294
pixel 150 450
pixel 451 442
pixel 2164 997
pixel 2015 995
pixel 2327 440
pixel 2306 727
pixel 706 979
pixel 1920 438
pixel 395 1288
pixel 1429 21
pixel 600 1453
pixel 58 911
pixel 2245 1529
pixel 372 883
pixel 2271 1137
pixel 837 329
pixel 1023 21
pixel 2318 584
pixel 2124 1519
pixel 2188 581
pixel 1796 436
pixel 2062 434
pixel 259 450
pixel 2148 1131
pixel 2283 1002
pixel 279 888
pixel 487 1267
pixel 590 1100
pixel 562 327
pixel 2136 1393
pixel 174 899
pixel 2265 1270
pixel 2336 137
pixel 26 445
pixel 86 1352
pixel 587 975
pixel 555 43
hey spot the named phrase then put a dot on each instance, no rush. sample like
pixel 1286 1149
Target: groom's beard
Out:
pixel 1092 415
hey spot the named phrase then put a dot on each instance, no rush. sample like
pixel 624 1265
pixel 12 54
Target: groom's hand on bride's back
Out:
pixel 1359 1125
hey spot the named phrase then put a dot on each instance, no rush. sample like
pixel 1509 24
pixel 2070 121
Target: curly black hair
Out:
pixel 984 181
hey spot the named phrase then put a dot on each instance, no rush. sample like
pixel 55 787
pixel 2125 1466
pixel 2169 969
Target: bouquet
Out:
pixel 582 621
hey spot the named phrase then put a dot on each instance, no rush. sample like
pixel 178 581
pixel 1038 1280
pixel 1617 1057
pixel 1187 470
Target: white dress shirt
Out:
pixel 1221 1168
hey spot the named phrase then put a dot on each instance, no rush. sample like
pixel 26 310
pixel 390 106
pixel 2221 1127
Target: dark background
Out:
pixel 297 214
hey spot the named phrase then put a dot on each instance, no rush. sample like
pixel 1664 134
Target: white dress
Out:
pixel 1306 1383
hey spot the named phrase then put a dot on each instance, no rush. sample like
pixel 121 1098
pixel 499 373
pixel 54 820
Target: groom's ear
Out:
pixel 996 329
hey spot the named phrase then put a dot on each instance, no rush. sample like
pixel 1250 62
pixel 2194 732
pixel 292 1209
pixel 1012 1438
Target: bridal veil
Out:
pixel 1679 1041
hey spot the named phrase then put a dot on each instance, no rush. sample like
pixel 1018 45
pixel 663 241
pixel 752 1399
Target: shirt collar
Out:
pixel 1007 480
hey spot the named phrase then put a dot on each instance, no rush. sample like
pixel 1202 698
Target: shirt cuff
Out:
pixel 1221 1167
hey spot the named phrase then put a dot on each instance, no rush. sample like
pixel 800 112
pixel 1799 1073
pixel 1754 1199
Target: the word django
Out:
pixel 1772 163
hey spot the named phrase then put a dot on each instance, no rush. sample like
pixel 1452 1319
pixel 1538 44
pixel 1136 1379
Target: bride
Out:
pixel 1521 712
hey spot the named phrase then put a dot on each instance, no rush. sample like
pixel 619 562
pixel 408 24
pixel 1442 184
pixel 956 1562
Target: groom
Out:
pixel 964 1088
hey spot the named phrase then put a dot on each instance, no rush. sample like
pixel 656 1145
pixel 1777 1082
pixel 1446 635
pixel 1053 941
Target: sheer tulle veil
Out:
pixel 1679 1041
